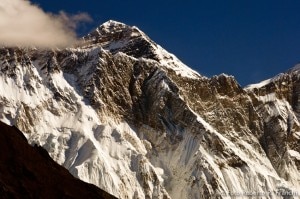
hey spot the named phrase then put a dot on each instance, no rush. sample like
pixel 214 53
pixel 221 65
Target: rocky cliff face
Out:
pixel 122 113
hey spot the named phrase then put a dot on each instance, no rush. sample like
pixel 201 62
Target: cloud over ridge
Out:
pixel 25 24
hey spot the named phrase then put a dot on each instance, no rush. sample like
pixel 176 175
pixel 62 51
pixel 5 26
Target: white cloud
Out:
pixel 25 24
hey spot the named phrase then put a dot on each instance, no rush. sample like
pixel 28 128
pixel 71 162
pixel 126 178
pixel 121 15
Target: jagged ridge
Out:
pixel 124 114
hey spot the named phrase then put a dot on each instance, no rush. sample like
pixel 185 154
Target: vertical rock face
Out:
pixel 278 105
pixel 122 113
pixel 29 172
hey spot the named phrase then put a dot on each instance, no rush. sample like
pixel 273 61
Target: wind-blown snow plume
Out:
pixel 25 24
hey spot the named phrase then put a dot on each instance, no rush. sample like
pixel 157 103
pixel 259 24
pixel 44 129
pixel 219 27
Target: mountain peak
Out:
pixel 113 29
pixel 296 68
pixel 118 37
pixel 112 24
pixel 124 114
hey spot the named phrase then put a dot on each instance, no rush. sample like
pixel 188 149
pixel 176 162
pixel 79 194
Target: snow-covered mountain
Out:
pixel 122 113
pixel 29 172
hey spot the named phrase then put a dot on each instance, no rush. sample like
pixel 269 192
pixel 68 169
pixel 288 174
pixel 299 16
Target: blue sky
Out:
pixel 251 40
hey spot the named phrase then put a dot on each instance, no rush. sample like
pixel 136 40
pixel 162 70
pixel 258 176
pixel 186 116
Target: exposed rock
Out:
pixel 124 114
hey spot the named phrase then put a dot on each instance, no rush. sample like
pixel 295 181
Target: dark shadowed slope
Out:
pixel 29 172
